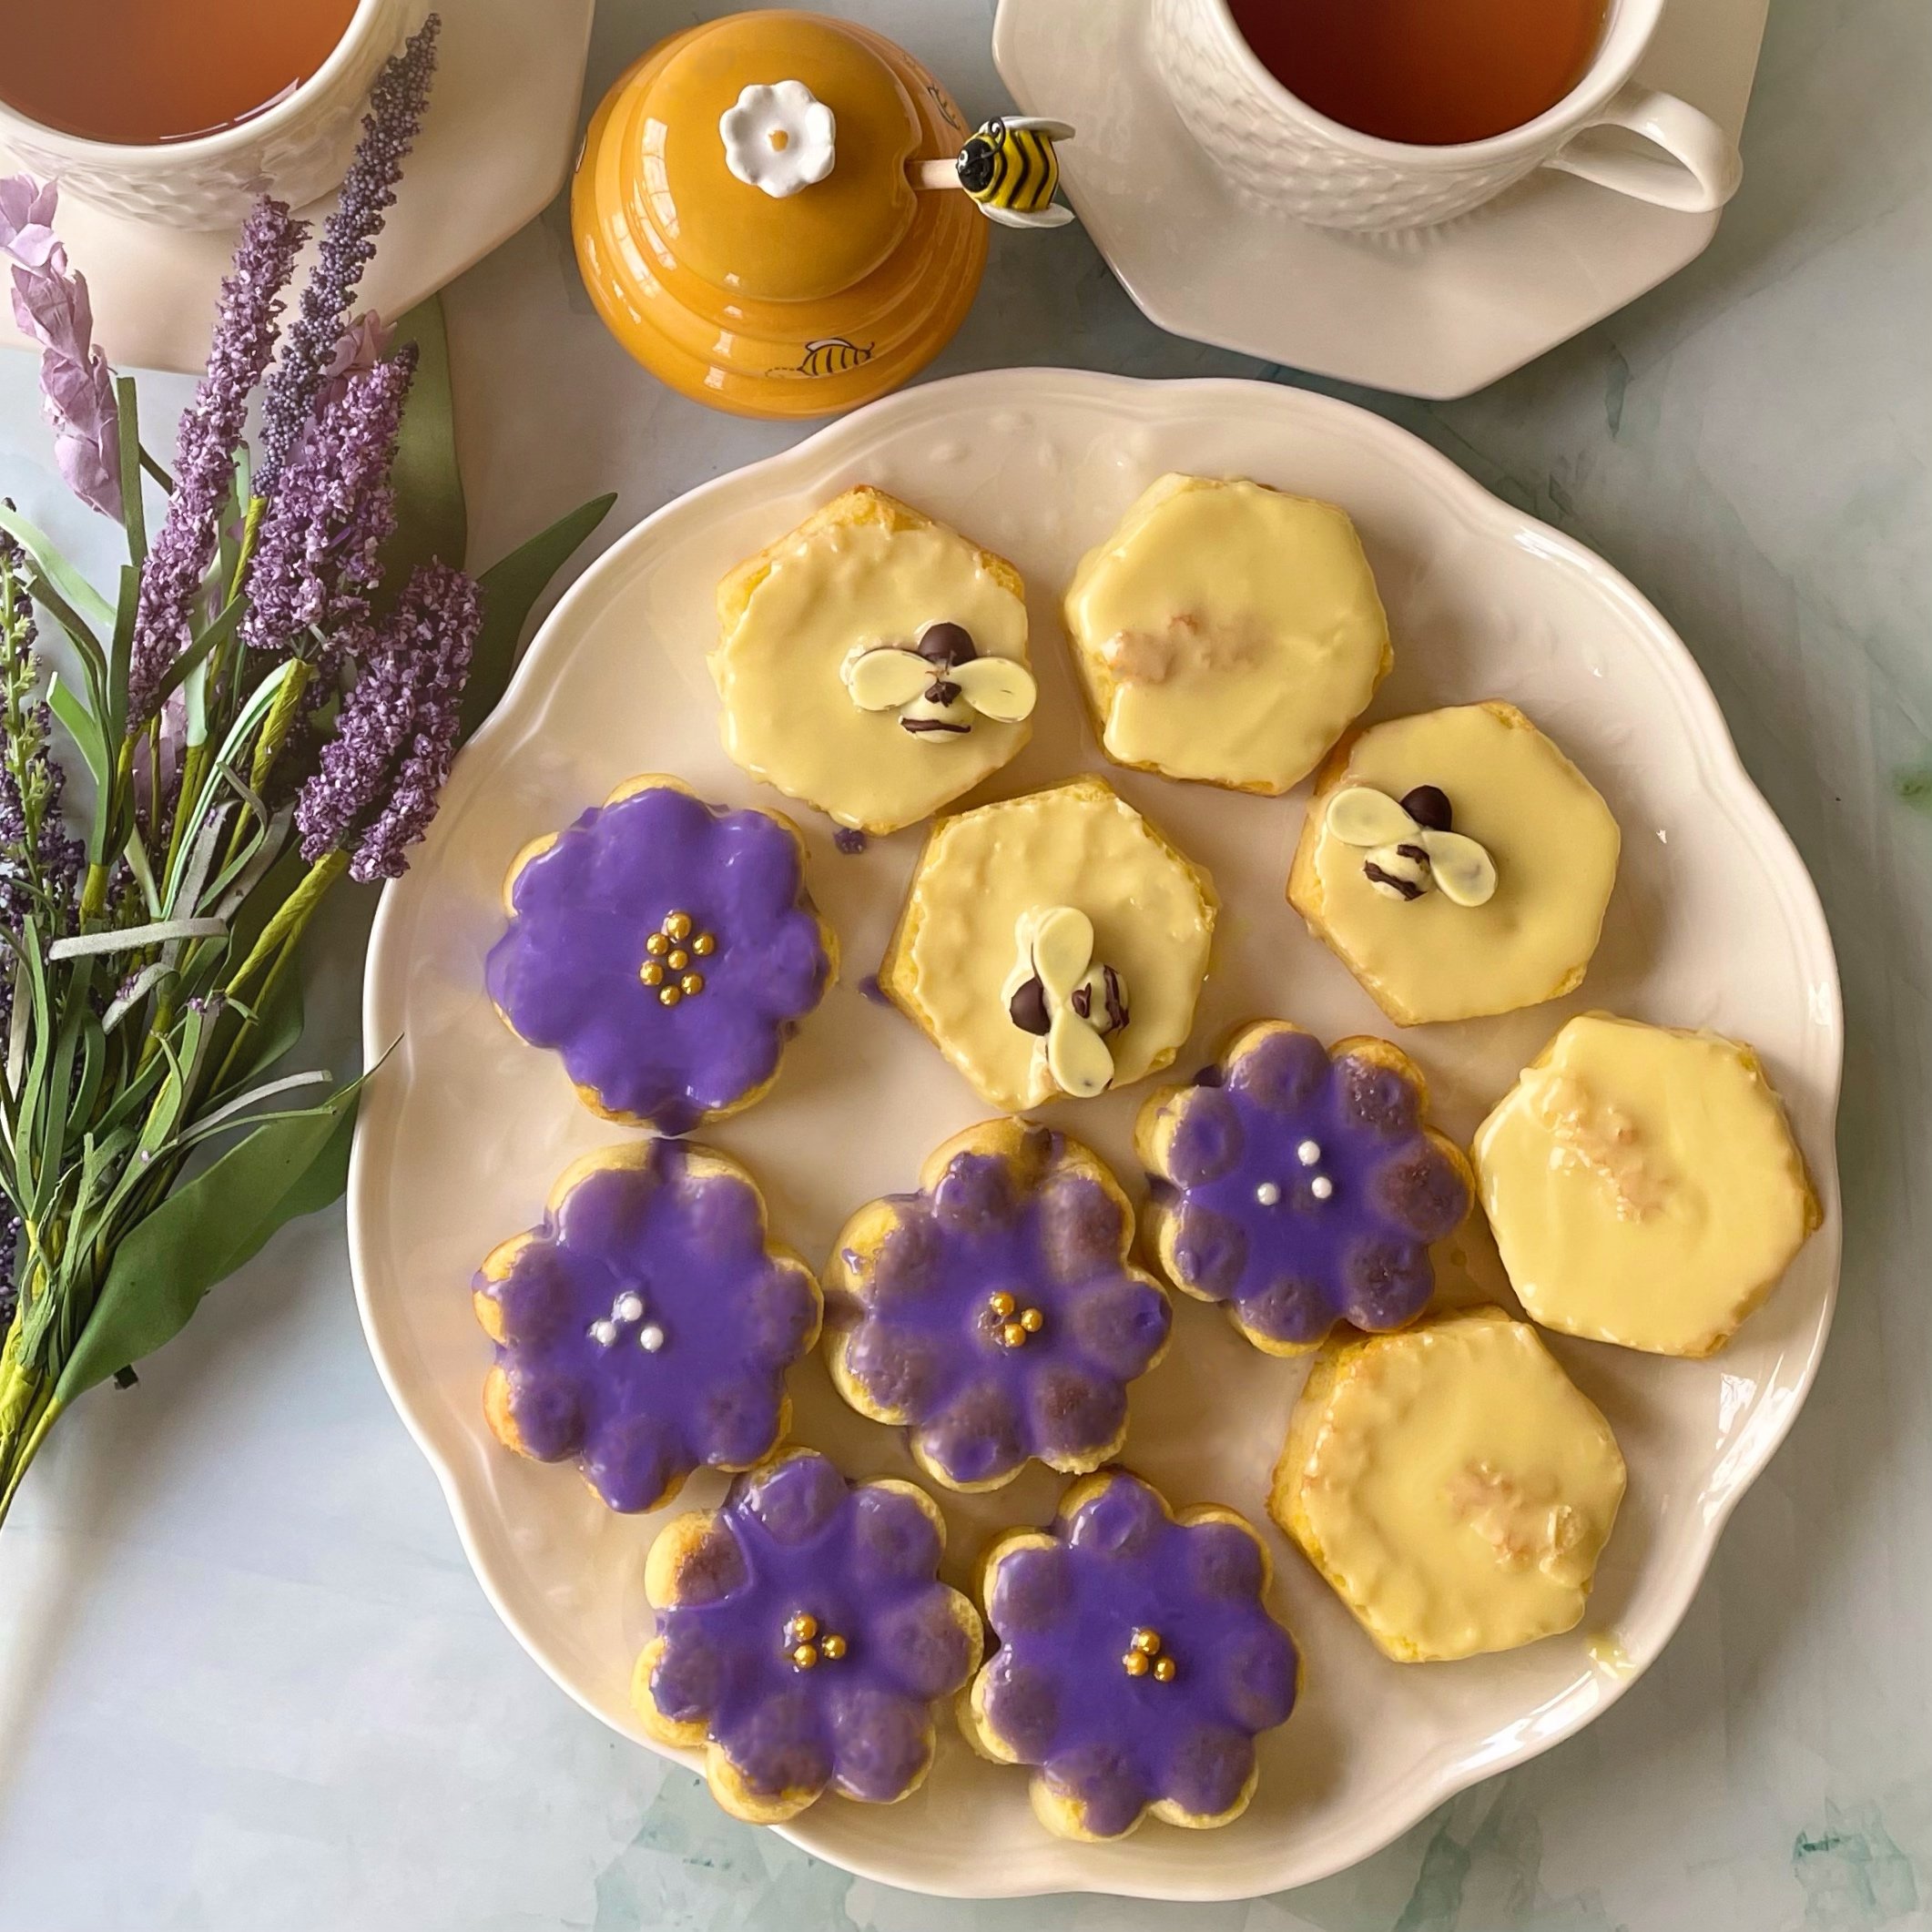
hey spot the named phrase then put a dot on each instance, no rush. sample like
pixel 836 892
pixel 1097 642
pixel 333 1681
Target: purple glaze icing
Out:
pixel 732 1318
pixel 1294 1265
pixel 793 1538
pixel 920 1337
pixel 566 974
pixel 1057 1690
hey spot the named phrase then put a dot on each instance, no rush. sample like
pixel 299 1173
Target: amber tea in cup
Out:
pixel 1428 72
pixel 143 72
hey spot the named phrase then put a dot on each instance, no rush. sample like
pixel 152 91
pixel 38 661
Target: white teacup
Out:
pixel 1281 154
pixel 298 149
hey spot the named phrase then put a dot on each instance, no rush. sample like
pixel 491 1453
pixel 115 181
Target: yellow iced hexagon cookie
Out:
pixel 1226 632
pixel 1452 1484
pixel 873 663
pixel 1457 863
pixel 1051 945
pixel 1643 1185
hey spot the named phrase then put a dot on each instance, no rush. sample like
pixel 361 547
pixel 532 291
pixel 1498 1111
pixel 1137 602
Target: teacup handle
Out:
pixel 1701 174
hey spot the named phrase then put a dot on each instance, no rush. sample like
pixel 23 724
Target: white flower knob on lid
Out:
pixel 778 138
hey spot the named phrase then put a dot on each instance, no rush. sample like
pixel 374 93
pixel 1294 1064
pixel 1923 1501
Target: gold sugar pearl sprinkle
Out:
pixel 657 945
pixel 693 983
pixel 680 959
pixel 652 973
pixel 1147 1641
pixel 805 1656
pixel 1013 1335
pixel 1134 1664
pixel 1164 1670
pixel 1001 1304
pixel 1031 1320
pixel 678 925
pixel 703 944
pixel 834 1646
pixel 668 996
pixel 802 1628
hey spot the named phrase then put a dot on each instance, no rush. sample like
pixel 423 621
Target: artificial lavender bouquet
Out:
pixel 251 713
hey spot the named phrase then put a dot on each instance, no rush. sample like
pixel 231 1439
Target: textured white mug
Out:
pixel 1281 154
pixel 297 149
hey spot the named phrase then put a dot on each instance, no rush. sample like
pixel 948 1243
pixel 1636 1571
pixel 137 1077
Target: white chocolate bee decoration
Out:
pixel 779 138
pixel 1059 993
pixel 1411 846
pixel 939 683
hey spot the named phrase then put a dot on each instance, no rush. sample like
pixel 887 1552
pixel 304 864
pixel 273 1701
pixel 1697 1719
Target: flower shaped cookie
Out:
pixel 1138 1661
pixel 667 949
pixel 646 1327
pixel 1301 1187
pixel 994 1313
pixel 803 1638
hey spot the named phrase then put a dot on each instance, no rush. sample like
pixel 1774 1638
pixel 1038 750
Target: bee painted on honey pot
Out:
pixel 1009 168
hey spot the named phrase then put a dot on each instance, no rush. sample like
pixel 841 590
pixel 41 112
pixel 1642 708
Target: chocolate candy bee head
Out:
pixel 938 685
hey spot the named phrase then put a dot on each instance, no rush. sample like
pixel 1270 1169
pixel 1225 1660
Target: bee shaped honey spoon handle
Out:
pixel 1010 169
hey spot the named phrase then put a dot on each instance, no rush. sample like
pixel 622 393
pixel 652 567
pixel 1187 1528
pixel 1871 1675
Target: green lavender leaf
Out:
pixel 204 1230
pixel 510 590
pixel 431 517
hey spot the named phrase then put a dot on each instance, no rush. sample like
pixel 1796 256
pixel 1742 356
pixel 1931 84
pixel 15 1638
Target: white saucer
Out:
pixel 1714 923
pixel 1433 312
pixel 494 148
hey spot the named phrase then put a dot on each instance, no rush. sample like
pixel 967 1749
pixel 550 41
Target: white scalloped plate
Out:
pixel 1714 923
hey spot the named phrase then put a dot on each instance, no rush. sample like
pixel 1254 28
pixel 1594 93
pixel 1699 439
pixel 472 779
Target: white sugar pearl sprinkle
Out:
pixel 650 1337
pixel 1308 1152
pixel 1267 1194
pixel 1321 1187
pixel 629 1307
pixel 603 1333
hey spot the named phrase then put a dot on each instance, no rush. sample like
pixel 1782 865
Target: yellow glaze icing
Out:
pixel 1226 632
pixel 794 307
pixel 864 571
pixel 1552 837
pixel 1643 1185
pixel 1452 1485
pixel 983 871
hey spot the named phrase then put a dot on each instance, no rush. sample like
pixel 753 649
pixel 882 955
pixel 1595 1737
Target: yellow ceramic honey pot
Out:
pixel 760 214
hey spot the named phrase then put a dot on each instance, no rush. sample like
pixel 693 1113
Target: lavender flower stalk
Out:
pixel 51 305
pixel 376 785
pixel 388 130
pixel 319 550
pixel 211 431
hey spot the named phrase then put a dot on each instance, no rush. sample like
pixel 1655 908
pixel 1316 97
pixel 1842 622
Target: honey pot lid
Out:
pixel 776 146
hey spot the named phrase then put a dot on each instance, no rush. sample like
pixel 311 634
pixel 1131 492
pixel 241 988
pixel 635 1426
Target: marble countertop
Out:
pixel 245 1679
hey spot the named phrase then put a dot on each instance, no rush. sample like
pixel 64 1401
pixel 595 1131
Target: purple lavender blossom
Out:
pixel 388 130
pixel 359 346
pixel 211 430
pixel 319 550
pixel 51 305
pixel 378 779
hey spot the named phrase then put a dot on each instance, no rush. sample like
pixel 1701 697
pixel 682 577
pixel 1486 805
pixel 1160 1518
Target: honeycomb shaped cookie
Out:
pixel 1452 1483
pixel 1053 944
pixel 1457 863
pixel 1643 1185
pixel 873 663
pixel 1226 632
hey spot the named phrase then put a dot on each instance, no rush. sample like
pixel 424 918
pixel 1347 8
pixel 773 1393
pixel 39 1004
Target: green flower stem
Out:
pixel 290 918
pixel 15 1460
pixel 282 717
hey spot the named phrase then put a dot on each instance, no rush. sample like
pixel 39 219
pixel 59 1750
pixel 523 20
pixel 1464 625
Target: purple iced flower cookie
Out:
pixel 1137 1660
pixel 1302 1187
pixel 667 949
pixel 804 1638
pixel 646 1327
pixel 994 1313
